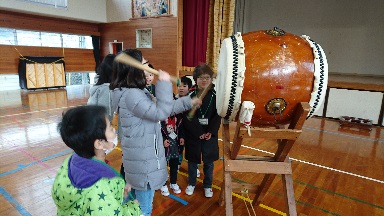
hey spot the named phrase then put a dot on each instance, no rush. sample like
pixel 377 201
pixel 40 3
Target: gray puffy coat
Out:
pixel 141 139
pixel 101 95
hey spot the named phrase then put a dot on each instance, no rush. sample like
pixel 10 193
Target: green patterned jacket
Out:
pixel 104 197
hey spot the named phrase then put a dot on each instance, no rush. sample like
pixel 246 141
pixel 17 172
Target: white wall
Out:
pixel 97 11
pixel 10 98
pixel 351 32
pixel 9 82
pixel 361 104
pixel 83 10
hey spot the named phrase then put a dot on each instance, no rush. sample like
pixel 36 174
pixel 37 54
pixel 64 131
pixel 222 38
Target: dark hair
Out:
pixel 81 126
pixel 202 69
pixel 186 80
pixel 127 76
pixel 104 70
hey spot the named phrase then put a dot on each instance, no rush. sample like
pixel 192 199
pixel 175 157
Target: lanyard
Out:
pixel 206 110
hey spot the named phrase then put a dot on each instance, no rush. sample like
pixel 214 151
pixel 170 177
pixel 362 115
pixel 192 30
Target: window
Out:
pixel 50 39
pixel 7 36
pixel 71 41
pixel 46 39
pixel 52 3
pixel 28 38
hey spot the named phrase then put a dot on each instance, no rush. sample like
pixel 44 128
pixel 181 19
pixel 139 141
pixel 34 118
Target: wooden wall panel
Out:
pixel 48 24
pixel 164 52
pixel 75 59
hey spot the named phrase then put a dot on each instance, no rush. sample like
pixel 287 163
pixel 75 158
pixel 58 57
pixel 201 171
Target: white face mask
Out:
pixel 114 141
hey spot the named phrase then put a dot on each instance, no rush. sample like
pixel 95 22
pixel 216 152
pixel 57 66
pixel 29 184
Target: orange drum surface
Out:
pixel 267 74
pixel 276 67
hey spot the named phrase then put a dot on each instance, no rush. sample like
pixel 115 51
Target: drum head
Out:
pixel 230 77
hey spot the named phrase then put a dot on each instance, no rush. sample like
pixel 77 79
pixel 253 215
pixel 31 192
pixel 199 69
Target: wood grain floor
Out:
pixel 336 171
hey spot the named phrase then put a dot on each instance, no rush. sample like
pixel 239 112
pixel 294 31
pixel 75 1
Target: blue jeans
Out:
pixel 208 174
pixel 145 199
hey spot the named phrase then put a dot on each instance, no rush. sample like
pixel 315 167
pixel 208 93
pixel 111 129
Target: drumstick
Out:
pixel 192 112
pixel 126 59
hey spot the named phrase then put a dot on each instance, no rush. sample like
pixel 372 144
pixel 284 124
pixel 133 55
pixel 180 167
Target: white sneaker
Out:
pixel 189 190
pixel 208 192
pixel 164 190
pixel 175 188
pixel 198 173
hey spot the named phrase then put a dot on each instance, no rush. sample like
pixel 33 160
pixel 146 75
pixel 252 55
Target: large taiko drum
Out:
pixel 273 69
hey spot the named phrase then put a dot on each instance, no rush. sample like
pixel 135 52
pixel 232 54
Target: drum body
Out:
pixel 280 72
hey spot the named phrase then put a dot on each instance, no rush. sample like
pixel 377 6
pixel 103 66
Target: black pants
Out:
pixel 173 166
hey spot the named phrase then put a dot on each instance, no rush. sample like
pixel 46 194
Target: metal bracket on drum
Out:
pixel 276 106
pixel 275 32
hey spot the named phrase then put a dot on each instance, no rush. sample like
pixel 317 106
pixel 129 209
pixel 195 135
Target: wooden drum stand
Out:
pixel 270 166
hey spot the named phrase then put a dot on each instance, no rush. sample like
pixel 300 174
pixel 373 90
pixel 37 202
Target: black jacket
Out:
pixel 195 148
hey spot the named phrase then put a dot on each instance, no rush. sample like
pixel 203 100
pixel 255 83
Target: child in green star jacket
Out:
pixel 85 184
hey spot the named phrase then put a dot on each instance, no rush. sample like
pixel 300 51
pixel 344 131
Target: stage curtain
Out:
pixel 220 26
pixel 96 49
pixel 195 32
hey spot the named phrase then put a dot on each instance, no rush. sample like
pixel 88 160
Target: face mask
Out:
pixel 114 141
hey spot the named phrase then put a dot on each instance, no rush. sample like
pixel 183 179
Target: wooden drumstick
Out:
pixel 192 112
pixel 126 59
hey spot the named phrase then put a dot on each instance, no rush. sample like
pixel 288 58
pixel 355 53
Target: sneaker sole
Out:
pixel 176 192
pixel 189 194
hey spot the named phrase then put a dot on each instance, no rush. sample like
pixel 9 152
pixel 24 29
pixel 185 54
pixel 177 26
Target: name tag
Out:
pixel 172 135
pixel 203 121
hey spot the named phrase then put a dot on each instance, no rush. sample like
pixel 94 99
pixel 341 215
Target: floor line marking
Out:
pixel 37 111
pixel 338 194
pixel 343 134
pixel 23 166
pixel 237 195
pixel 321 166
pixel 178 199
pixel 36 159
pixel 13 202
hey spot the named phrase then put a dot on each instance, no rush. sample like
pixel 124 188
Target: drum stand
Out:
pixel 270 166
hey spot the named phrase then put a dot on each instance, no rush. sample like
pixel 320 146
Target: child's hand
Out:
pixel 208 136
pixel 196 102
pixel 202 137
pixel 164 76
pixel 127 189
pixel 166 143
pixel 181 141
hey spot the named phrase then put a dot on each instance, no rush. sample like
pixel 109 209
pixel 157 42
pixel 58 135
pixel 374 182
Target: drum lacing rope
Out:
pixel 245 191
pixel 321 79
pixel 234 77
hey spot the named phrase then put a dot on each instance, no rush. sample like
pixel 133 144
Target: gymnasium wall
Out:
pixel 84 10
pixel 75 59
pixel 164 52
pixel 350 31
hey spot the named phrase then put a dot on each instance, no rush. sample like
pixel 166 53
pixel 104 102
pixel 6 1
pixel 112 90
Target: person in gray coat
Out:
pixel 142 142
pixel 99 94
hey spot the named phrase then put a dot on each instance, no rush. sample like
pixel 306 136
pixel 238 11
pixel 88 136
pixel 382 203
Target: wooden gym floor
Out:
pixel 336 171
